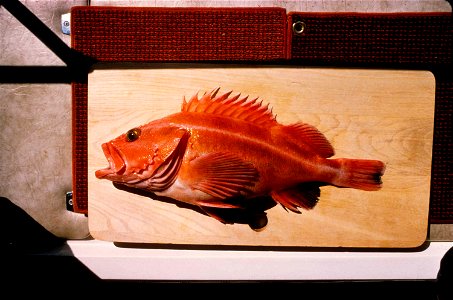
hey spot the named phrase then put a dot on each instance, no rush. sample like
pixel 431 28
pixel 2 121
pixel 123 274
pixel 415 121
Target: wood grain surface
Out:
pixel 365 113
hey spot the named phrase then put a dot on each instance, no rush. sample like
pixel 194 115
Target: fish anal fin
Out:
pixel 304 195
pixel 221 175
pixel 307 135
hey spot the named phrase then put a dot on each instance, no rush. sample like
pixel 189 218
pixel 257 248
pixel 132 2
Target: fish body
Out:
pixel 220 147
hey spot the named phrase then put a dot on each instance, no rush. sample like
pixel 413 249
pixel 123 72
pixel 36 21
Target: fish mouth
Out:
pixel 117 165
pixel 118 170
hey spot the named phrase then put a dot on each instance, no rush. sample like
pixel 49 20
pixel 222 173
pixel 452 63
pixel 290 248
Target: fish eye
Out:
pixel 133 134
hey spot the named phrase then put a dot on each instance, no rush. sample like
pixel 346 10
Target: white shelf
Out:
pixel 108 261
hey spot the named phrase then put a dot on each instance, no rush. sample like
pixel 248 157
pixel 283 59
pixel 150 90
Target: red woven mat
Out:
pixel 419 41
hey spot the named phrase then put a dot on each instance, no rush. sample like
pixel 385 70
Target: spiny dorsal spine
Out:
pixel 250 110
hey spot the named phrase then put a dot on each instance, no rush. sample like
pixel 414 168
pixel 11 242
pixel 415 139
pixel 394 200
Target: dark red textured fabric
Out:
pixel 80 147
pixel 411 39
pixel 419 41
pixel 441 201
pixel 175 34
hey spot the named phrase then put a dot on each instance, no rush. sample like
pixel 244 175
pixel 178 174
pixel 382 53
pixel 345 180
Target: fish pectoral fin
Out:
pixel 304 195
pixel 166 174
pixel 222 175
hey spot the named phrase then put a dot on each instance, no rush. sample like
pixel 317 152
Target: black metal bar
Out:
pixel 35 74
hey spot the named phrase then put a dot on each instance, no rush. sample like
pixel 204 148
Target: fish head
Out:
pixel 135 155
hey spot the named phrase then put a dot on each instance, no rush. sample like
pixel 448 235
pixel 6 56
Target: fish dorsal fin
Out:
pixel 303 135
pixel 237 107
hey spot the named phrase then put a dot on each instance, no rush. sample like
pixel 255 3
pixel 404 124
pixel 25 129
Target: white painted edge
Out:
pixel 108 261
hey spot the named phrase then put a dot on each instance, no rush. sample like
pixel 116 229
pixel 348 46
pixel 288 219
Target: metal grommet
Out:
pixel 69 201
pixel 299 27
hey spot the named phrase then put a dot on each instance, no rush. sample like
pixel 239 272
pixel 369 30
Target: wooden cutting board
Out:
pixel 365 113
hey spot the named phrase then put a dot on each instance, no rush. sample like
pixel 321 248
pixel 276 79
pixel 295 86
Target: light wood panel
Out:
pixel 376 114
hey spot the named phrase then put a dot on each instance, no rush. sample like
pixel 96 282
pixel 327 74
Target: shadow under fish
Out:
pixel 250 211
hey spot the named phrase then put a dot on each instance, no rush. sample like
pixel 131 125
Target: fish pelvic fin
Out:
pixel 236 107
pixel 304 195
pixel 214 214
pixel 360 174
pixel 222 175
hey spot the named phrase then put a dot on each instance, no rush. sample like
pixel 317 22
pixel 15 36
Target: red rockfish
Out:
pixel 221 147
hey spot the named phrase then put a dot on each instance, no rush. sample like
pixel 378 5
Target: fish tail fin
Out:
pixel 360 174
